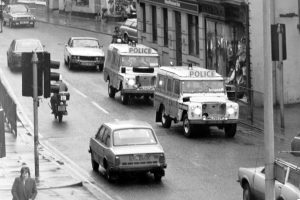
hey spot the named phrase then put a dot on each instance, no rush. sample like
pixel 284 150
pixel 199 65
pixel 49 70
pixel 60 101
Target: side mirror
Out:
pixel 186 99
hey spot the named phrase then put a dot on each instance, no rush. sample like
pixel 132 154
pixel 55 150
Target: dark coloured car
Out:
pixel 19 46
pixel 129 30
pixel 18 15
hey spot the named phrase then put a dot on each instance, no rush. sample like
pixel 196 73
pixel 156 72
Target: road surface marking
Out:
pixel 77 91
pixel 99 107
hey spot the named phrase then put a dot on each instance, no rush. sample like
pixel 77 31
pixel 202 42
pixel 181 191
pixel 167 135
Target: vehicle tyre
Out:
pixel 165 119
pixel 60 116
pixel 101 67
pixel 157 176
pixel 247 192
pixel 10 24
pixel 230 130
pixel 124 98
pixel 187 127
pixel 4 23
pixel 126 40
pixel 111 90
pixel 33 25
pixel 95 165
pixel 70 65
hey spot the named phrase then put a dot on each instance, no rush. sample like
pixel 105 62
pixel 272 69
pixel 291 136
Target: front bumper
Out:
pixel 87 63
pixel 213 122
pixel 127 169
pixel 23 22
pixel 140 90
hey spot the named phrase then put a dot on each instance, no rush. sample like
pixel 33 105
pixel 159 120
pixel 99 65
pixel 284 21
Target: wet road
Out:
pixel 199 168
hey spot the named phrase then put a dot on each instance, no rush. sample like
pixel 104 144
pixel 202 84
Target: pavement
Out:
pixel 56 180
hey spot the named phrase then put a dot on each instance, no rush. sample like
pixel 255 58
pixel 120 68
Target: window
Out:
pixel 82 2
pixel 176 87
pixel 294 177
pixel 169 85
pixel 154 24
pixel 161 82
pixel 193 34
pixel 166 37
pixel 143 8
pixel 100 133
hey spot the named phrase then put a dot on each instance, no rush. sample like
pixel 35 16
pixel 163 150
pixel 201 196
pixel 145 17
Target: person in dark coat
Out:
pixel 24 187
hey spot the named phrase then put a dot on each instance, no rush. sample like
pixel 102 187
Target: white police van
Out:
pixel 131 69
pixel 195 96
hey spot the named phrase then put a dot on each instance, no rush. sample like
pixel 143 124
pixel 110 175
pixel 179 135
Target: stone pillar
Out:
pixel 202 46
pixel 160 29
pixel 184 37
pixel 149 23
pixel 172 35
pixel 139 17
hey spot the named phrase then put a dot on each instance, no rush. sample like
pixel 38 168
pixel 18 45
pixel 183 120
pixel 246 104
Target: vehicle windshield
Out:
pixel 133 136
pixel 86 43
pixel 28 45
pixel 203 86
pixel 18 9
pixel 139 61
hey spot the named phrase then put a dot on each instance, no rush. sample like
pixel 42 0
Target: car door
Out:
pixel 107 147
pixel 98 149
pixel 175 98
pixel 169 104
pixel 10 52
pixel 259 184
pixel 291 189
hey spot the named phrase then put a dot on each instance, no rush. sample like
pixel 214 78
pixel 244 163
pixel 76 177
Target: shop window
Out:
pixel 143 9
pixel 154 24
pixel 82 2
pixel 193 34
pixel 169 85
pixel 166 38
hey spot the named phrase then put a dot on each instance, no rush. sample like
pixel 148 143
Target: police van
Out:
pixel 132 70
pixel 195 96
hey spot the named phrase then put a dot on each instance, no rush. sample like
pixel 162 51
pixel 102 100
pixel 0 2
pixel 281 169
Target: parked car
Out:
pixel 18 15
pixel 19 46
pixel 287 181
pixel 84 52
pixel 127 147
pixel 129 30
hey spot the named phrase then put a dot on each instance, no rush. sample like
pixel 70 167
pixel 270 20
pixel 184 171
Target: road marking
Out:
pixel 77 91
pixel 99 107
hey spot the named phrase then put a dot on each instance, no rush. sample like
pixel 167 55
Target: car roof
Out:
pixel 123 49
pixel 131 19
pixel 27 39
pixel 125 124
pixel 83 38
pixel 187 73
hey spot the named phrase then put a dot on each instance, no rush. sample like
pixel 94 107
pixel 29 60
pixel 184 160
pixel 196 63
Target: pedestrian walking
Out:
pixel 68 10
pixel 24 187
pixel 98 12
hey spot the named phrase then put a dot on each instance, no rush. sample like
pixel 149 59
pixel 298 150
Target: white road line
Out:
pixel 99 107
pixel 77 91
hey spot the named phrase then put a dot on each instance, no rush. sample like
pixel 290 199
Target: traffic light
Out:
pixel 50 76
pixel 27 74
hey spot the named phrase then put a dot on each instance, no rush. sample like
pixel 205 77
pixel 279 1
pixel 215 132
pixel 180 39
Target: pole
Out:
pixel 268 104
pixel 280 77
pixel 35 115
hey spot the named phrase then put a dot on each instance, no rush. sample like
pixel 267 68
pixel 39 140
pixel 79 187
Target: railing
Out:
pixel 9 107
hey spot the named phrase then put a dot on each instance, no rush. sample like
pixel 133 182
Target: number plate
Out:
pixel 61 108
pixel 24 22
pixel 139 157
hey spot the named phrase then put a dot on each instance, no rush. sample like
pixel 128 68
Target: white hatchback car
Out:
pixel 84 52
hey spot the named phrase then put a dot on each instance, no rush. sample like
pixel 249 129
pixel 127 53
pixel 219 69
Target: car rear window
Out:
pixel 133 136
pixel 28 45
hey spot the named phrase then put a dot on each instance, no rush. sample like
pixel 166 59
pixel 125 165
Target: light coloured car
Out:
pixel 84 52
pixel 19 46
pixel 287 181
pixel 129 30
pixel 18 15
pixel 127 147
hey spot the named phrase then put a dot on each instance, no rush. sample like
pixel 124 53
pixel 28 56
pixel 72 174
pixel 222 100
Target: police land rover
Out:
pixel 132 70
pixel 195 96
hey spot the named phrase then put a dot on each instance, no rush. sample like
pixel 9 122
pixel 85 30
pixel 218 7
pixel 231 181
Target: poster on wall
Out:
pixel 117 7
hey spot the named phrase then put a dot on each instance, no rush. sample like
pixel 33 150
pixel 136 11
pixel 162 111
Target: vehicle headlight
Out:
pixel 131 82
pixel 32 18
pixel 14 18
pixel 230 110
pixel 197 111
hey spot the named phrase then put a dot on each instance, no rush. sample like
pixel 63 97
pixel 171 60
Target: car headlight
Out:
pixel 131 82
pixel 230 110
pixel 32 18
pixel 14 18
pixel 197 111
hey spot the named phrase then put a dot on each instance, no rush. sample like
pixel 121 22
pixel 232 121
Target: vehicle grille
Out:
pixel 214 110
pixel 145 80
pixel 89 58
pixel 23 18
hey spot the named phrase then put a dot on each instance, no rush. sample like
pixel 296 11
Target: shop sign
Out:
pixel 172 2
pixel 202 74
pixel 178 4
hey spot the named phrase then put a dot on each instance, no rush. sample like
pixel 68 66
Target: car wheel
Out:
pixel 10 24
pixel 124 98
pixel 126 38
pixel 157 177
pixel 95 165
pixel 230 130
pixel 165 119
pixel 4 23
pixel 187 127
pixel 70 65
pixel 111 90
pixel 33 25
pixel 101 67
pixel 247 192
pixel 60 117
